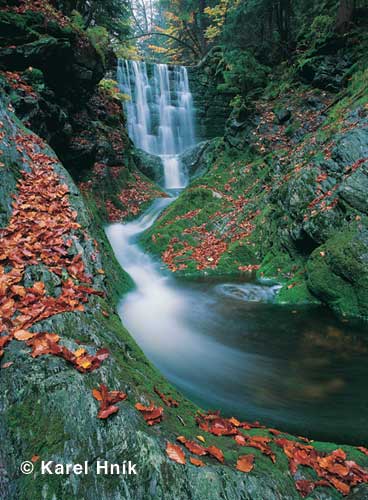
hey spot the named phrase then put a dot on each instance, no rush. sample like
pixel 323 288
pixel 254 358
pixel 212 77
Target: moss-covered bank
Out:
pixel 284 194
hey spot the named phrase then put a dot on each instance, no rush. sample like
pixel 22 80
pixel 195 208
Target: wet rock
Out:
pixel 326 72
pixel 211 104
pixel 150 165
pixel 283 115
pixel 338 272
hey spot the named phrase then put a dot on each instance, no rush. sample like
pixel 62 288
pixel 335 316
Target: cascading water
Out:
pixel 160 113
pixel 225 345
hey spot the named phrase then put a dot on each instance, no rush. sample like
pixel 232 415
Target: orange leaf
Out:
pixel 39 288
pixel 141 407
pixel 175 453
pixel 23 335
pixel 84 363
pixel 245 463
pixel 216 453
pixel 234 421
pixel 197 462
pixel 97 394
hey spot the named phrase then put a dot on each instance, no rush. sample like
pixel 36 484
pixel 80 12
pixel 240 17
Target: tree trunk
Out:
pixel 202 26
pixel 344 15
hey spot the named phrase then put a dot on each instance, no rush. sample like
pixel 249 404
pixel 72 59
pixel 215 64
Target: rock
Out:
pixel 354 190
pixel 212 106
pixel 150 165
pixel 283 115
pixel 338 272
pixel 197 158
pixel 326 72
pixel 71 67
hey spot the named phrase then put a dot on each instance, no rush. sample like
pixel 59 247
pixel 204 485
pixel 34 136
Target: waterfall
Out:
pixel 160 113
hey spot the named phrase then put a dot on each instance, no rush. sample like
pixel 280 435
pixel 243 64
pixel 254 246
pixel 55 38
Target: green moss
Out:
pixel 337 273
pixel 297 294
pixel 119 281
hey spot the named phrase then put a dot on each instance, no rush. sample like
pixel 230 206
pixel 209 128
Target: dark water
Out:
pixel 227 347
pixel 301 369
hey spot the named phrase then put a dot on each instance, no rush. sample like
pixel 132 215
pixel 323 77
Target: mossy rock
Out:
pixel 338 272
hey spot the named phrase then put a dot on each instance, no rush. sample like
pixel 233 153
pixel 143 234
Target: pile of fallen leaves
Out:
pixel 152 414
pixel 187 216
pixel 17 83
pixel 133 197
pixel 206 253
pixel 42 230
pixel 334 470
pixel 205 244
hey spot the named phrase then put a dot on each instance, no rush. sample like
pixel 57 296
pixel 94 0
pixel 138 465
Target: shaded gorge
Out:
pixel 226 345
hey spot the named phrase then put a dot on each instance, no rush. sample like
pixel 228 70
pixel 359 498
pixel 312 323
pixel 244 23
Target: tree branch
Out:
pixel 154 33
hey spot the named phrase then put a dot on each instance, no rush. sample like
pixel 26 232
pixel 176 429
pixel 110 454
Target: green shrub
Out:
pixel 243 73
pixel 111 88
pixel 99 37
pixel 321 28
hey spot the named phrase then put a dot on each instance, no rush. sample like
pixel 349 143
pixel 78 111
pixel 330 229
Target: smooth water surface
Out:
pixel 226 346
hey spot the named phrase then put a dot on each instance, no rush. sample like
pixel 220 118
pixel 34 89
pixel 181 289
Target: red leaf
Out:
pixel 103 414
pixel 197 462
pixel 175 453
pixel 245 463
pixel 216 453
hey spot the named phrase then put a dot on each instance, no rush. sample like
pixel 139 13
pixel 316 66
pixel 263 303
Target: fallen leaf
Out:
pixel 197 462
pixel 175 453
pixel 245 463
pixel 97 394
pixel 216 453
pixel 23 335
pixel 7 365
pixel 103 414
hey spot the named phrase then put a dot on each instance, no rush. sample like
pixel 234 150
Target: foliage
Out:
pixel 99 37
pixel 110 87
pixel 321 27
pixel 243 72
pixel 110 14
pixel 217 15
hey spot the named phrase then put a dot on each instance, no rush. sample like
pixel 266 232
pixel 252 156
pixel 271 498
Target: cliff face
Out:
pixel 211 104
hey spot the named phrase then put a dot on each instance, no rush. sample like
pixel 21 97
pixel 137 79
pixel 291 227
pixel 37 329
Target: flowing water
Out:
pixel 226 345
pixel 160 113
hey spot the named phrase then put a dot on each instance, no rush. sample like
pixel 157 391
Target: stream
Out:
pixel 225 345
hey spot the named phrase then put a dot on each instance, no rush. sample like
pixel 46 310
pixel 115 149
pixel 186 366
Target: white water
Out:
pixel 223 345
pixel 160 113
pixel 156 312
